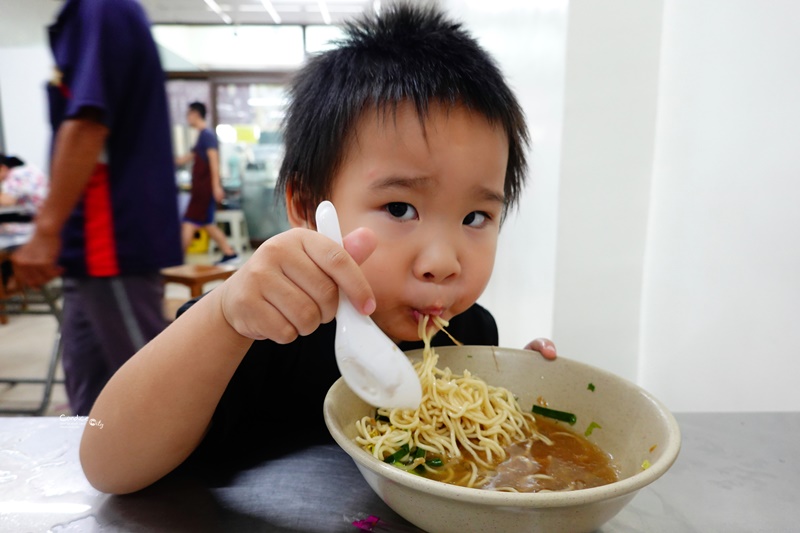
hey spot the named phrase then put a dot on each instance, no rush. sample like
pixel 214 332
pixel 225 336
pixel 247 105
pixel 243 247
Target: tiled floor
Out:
pixel 26 342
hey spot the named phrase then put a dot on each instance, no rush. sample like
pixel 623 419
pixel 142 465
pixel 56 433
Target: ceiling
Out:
pixel 252 11
pixel 23 22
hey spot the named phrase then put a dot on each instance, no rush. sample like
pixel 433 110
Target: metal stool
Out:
pixel 233 224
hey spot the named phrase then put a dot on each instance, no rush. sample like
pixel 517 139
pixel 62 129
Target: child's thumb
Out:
pixel 360 243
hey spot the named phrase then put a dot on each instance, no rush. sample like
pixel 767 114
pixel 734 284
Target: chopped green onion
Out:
pixel 592 427
pixel 591 387
pixel 552 413
pixel 435 462
pixel 419 452
pixel 407 468
pixel 396 456
pixel 645 464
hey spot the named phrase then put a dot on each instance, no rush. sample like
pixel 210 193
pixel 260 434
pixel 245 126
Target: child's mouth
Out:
pixel 430 311
pixel 437 324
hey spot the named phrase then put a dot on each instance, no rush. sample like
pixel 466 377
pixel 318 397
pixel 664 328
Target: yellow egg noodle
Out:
pixel 461 420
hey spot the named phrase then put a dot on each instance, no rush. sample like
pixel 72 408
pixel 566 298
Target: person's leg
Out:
pixel 123 314
pixel 146 297
pixel 219 237
pixel 127 312
pixel 217 234
pixel 187 234
pixel 85 371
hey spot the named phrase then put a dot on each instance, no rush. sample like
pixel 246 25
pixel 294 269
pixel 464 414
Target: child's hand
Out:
pixel 291 284
pixel 544 347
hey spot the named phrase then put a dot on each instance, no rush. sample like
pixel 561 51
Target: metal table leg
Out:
pixel 51 298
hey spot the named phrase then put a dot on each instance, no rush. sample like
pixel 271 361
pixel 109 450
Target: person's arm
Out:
pixel 156 409
pixel 216 182
pixel 78 144
pixel 184 159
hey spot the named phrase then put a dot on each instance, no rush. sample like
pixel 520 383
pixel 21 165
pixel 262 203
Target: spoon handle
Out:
pixel 328 222
pixel 328 225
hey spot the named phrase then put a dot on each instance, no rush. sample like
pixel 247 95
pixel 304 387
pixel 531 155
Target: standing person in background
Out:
pixel 110 222
pixel 21 184
pixel 206 184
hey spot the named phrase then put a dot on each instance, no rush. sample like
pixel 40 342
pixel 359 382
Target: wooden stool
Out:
pixel 196 276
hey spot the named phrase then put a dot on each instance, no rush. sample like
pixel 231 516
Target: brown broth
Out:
pixel 571 463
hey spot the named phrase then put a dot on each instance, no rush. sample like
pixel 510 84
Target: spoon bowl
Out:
pixel 371 364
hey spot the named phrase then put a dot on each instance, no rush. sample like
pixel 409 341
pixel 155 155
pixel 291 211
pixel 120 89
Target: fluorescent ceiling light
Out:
pixel 258 8
pixel 271 10
pixel 218 10
pixel 323 9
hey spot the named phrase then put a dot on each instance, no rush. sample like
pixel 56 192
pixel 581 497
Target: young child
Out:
pixel 410 130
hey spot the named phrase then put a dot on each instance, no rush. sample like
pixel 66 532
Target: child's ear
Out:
pixel 296 211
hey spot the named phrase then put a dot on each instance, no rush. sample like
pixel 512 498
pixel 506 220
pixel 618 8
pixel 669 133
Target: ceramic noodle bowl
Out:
pixel 635 429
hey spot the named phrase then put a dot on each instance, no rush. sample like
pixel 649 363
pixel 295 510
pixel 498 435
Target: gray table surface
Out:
pixel 736 472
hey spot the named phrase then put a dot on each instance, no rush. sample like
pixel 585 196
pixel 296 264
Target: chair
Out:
pixel 48 296
pixel 234 225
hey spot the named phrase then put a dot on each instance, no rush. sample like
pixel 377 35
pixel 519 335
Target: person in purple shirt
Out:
pixel 111 220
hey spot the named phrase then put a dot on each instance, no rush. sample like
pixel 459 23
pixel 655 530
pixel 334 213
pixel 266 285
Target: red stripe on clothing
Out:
pixel 101 253
pixel 65 92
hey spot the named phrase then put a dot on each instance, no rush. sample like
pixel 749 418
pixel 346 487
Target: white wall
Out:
pixel 25 67
pixel 722 283
pixel 606 160
pixel 24 70
pixel 675 184
pixel 528 39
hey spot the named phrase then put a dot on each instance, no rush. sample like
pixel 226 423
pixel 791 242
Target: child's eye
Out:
pixel 476 219
pixel 401 210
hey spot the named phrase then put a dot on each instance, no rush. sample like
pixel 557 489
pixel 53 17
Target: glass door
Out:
pixel 249 116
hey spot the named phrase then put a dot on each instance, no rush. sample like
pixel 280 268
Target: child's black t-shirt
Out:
pixel 273 403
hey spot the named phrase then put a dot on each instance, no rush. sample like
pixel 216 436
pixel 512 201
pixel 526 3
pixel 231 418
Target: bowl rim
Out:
pixel 617 489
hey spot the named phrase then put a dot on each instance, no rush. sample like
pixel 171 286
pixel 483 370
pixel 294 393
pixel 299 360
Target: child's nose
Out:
pixel 437 261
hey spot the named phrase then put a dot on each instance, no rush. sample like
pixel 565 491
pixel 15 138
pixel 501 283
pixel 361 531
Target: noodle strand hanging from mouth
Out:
pixel 460 419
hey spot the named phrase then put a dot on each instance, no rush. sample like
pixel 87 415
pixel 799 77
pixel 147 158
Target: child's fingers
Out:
pixel 360 244
pixel 268 305
pixel 292 284
pixel 337 263
pixel 543 346
pixel 317 288
pixel 299 313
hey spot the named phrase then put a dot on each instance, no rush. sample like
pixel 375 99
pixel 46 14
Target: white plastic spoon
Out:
pixel 371 364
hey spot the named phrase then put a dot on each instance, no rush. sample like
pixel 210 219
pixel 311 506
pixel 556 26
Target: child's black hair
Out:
pixel 405 54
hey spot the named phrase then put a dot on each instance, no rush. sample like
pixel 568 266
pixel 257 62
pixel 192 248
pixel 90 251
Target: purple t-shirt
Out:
pixel 127 219
pixel 205 139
